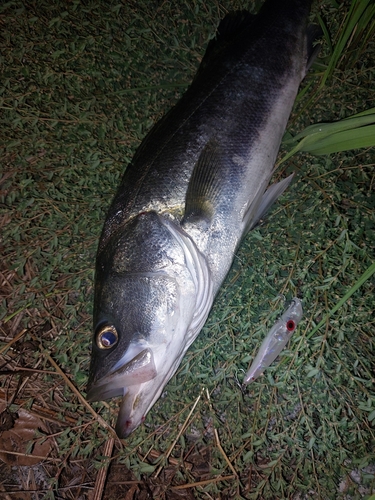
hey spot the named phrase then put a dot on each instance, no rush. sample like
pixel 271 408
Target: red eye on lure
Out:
pixel 276 340
pixel 290 325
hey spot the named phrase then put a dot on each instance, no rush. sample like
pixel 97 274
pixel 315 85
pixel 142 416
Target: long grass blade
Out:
pixel 365 276
pixel 354 132
pixel 323 129
pixel 363 137
pixel 357 10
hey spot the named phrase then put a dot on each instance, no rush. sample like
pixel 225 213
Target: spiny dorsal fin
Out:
pixel 229 28
pixel 233 23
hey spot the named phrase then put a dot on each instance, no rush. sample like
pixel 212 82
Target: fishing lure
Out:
pixel 276 340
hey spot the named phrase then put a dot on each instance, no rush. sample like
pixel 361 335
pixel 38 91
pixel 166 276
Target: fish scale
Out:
pixel 196 185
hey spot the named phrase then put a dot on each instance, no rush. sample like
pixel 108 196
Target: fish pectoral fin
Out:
pixel 205 186
pixel 268 199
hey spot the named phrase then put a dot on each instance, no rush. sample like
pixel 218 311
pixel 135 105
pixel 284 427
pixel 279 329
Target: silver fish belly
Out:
pixel 196 186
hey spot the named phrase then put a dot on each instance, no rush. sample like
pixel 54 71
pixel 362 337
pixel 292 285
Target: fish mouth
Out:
pixel 141 368
pixel 130 381
pixel 129 417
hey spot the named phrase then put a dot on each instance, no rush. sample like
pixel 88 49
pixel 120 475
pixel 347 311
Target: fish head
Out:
pixel 144 317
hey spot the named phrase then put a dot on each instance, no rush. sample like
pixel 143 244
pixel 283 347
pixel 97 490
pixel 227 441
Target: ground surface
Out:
pixel 82 82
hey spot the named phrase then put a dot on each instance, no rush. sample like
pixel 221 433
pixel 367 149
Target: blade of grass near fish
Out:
pixel 365 276
pixel 358 17
pixel 357 131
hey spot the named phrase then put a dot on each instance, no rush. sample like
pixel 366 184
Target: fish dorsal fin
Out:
pixel 205 186
pixel 229 28
pixel 233 23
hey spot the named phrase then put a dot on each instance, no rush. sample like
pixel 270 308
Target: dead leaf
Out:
pixel 17 440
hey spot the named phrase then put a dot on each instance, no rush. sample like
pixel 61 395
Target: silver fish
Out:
pixel 275 341
pixel 195 187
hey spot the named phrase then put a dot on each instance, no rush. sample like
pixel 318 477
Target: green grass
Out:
pixel 82 83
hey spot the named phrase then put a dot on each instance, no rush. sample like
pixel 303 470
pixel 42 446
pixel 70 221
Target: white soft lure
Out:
pixel 276 340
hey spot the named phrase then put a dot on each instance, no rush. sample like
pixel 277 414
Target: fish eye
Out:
pixel 106 337
pixel 290 325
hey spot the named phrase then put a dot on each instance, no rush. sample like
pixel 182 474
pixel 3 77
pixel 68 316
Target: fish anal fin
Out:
pixel 313 33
